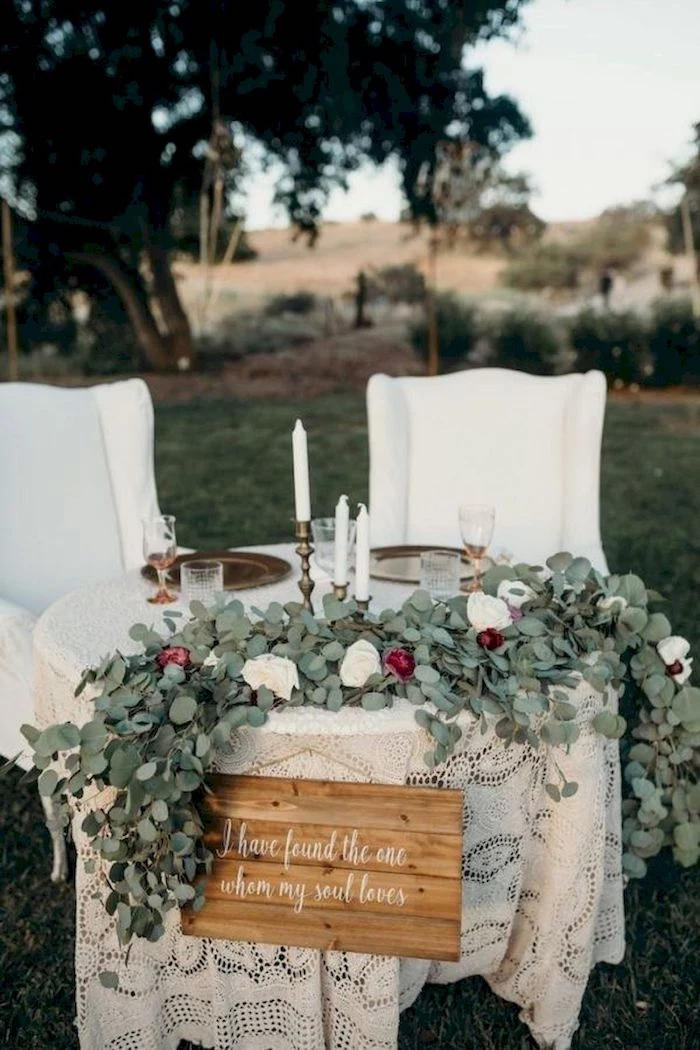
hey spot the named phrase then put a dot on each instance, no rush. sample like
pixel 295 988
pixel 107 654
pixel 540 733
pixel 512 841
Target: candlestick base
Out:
pixel 363 605
pixel 302 531
pixel 340 591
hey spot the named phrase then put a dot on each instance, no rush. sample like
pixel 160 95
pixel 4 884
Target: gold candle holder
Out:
pixel 340 590
pixel 363 606
pixel 305 550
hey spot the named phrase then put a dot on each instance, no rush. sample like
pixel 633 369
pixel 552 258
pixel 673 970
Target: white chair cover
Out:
pixel 76 476
pixel 529 445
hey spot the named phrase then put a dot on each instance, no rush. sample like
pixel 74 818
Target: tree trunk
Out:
pixel 179 333
pixel 152 344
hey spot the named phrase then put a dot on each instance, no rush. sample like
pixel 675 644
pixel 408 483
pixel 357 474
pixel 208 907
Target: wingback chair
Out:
pixel 529 445
pixel 76 477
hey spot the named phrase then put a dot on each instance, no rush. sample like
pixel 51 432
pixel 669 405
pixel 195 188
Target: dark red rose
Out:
pixel 400 663
pixel 173 654
pixel 675 668
pixel 490 638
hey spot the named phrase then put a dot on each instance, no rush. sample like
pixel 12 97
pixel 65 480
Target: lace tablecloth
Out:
pixel 542 884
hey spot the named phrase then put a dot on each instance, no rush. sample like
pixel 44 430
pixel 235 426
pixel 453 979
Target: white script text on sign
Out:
pixel 345 866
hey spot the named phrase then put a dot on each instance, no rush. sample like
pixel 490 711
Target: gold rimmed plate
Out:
pixel 242 569
pixel 402 564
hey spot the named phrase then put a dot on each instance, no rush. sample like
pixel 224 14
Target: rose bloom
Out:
pixel 490 638
pixel 276 673
pixel 400 663
pixel 484 611
pixel 173 654
pixel 674 653
pixel 360 662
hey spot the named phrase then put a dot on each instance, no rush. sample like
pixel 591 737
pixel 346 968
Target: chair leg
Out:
pixel 59 871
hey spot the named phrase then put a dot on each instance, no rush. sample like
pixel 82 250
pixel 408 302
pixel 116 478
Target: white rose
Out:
pixel 515 593
pixel 484 611
pixel 674 650
pixel 211 661
pixel 360 661
pixel 614 603
pixel 277 673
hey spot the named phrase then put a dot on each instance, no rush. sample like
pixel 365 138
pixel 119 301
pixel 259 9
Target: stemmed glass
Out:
pixel 160 551
pixel 476 522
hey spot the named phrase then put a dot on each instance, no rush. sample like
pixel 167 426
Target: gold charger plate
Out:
pixel 402 564
pixel 242 569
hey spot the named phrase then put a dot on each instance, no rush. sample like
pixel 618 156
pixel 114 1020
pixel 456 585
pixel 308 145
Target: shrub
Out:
pixel 245 333
pixel 544 266
pixel 301 302
pixel 616 343
pixel 523 340
pixel 398 284
pixel 674 341
pixel 618 239
pixel 457 329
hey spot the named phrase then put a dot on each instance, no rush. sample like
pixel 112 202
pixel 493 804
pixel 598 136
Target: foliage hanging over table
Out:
pixel 506 657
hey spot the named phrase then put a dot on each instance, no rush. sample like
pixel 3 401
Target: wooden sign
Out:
pixel 345 867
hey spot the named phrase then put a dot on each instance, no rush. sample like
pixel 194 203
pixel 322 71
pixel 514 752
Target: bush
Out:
pixel 249 332
pixel 544 266
pixel 616 343
pixel 301 302
pixel 674 341
pixel 523 340
pixel 457 329
pixel 618 239
pixel 398 284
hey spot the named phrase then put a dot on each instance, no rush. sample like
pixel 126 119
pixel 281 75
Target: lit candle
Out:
pixel 342 526
pixel 362 555
pixel 302 497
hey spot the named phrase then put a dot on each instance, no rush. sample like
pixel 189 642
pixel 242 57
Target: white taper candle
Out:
pixel 342 526
pixel 362 555
pixel 302 496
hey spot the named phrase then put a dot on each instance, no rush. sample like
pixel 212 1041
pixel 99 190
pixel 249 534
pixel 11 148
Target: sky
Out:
pixel 611 87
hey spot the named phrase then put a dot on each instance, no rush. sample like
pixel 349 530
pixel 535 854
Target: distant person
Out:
pixel 605 286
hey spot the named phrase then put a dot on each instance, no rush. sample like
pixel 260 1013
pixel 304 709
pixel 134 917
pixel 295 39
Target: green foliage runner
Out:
pixel 506 657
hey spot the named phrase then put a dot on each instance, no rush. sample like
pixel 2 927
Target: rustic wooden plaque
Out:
pixel 338 866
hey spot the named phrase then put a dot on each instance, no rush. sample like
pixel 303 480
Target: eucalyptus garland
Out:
pixel 506 657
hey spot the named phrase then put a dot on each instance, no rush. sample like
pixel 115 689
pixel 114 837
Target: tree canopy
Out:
pixel 110 113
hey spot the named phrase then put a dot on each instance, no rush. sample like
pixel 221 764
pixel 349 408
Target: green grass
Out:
pixel 224 470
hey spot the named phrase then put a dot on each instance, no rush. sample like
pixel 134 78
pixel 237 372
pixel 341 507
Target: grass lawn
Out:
pixel 224 470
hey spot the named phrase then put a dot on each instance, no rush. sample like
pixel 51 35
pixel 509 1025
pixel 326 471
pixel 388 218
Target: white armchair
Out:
pixel 529 445
pixel 76 477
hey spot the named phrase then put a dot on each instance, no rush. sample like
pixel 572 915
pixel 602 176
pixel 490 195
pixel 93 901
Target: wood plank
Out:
pixel 326 930
pixel 353 867
pixel 389 893
pixel 292 801
pixel 430 854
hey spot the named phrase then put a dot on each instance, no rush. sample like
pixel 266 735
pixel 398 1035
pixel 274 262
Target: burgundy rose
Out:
pixel 400 663
pixel 675 668
pixel 173 654
pixel 490 638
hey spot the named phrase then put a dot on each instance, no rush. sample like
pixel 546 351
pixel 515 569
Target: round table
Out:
pixel 542 883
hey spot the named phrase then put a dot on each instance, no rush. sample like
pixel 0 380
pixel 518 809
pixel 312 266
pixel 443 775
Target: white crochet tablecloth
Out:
pixel 542 883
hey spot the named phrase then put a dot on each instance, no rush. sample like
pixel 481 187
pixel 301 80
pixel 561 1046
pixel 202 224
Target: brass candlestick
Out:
pixel 363 606
pixel 305 550
pixel 340 590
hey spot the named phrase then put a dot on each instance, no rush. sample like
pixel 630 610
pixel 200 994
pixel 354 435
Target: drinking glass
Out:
pixel 160 551
pixel 201 580
pixel 439 573
pixel 476 522
pixel 323 532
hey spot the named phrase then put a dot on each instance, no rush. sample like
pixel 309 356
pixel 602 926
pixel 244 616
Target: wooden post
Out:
pixel 9 278
pixel 690 252
pixel 431 307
